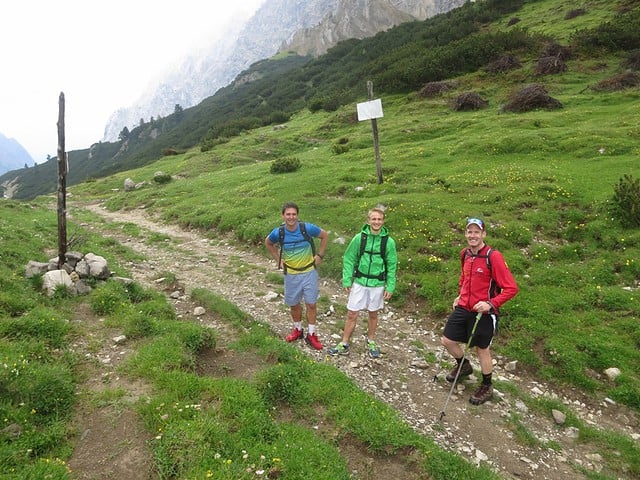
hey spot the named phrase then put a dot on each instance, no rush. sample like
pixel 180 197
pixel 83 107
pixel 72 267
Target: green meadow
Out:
pixel 547 183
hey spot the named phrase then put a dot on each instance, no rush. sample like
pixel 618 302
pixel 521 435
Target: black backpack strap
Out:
pixel 307 237
pixel 280 242
pixel 383 253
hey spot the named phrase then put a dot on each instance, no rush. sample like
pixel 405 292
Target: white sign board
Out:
pixel 369 110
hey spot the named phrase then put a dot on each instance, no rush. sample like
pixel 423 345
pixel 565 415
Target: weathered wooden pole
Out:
pixel 374 127
pixel 62 185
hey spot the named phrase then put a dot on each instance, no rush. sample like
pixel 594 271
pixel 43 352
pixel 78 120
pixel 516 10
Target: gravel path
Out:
pixel 401 377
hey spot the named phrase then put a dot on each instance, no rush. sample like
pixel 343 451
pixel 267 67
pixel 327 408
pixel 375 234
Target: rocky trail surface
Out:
pixel 401 377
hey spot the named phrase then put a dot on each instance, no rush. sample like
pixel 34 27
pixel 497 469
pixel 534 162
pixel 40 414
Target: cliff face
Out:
pixel 308 27
pixel 361 19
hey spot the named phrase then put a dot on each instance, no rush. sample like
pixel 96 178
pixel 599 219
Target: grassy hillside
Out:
pixel 543 180
pixel 400 60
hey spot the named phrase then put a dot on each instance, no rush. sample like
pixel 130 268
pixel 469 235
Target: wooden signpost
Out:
pixel 62 186
pixel 372 110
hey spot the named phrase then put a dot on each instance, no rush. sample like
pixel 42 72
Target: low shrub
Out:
pixel 550 65
pixel 469 101
pixel 632 61
pixel 285 165
pixel 432 89
pixel 531 97
pixel 626 201
pixel 618 82
pixel 503 64
pixel 161 178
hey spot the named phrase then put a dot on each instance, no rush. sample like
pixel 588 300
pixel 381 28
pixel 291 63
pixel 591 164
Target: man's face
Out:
pixel 290 217
pixel 475 236
pixel 376 221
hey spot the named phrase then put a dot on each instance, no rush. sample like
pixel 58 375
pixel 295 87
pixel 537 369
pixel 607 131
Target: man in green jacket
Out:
pixel 369 275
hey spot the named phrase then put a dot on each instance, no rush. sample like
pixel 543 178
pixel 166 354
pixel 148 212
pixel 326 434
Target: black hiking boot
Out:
pixel 484 393
pixel 465 370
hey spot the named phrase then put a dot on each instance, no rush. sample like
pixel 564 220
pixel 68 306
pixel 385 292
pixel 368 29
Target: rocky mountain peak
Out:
pixel 304 26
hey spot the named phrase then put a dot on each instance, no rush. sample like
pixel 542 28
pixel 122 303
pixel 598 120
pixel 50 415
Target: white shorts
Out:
pixel 365 298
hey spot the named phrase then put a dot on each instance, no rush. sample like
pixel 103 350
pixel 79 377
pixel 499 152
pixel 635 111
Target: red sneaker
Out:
pixel 295 335
pixel 313 341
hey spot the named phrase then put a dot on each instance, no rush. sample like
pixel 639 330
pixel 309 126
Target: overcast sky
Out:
pixel 101 54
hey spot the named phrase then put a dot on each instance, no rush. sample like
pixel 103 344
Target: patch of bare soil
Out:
pixel 401 377
pixel 111 442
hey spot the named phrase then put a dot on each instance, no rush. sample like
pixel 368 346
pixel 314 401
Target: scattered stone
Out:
pixel 35 268
pixel 481 457
pixel 12 431
pixel 573 432
pixel 612 373
pixel 420 364
pixel 270 296
pixel 521 407
pixel 199 311
pixel 129 185
pixel 55 278
pixel 535 391
pixel 558 417
pixel 119 339
pixel 511 366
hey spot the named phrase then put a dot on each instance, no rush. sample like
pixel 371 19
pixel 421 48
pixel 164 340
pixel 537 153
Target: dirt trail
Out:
pixel 400 378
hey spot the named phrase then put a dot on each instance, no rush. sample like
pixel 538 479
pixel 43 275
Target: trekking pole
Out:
pixel 435 375
pixel 455 380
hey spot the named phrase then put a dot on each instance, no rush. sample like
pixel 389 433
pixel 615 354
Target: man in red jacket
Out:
pixel 485 285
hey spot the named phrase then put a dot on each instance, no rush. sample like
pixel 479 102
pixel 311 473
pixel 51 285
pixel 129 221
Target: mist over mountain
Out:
pixel 13 155
pixel 307 27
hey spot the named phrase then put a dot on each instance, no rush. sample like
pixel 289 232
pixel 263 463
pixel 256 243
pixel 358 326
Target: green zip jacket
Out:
pixel 371 264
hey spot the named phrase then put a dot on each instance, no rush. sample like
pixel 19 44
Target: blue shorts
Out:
pixel 460 324
pixel 301 285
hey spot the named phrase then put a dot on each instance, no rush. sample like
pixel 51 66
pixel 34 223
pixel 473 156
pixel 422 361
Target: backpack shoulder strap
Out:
pixel 487 256
pixel 281 235
pixel 307 237
pixel 280 242
pixel 383 249
pixel 363 244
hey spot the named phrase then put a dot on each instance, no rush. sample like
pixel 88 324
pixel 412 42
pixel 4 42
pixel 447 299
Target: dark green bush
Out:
pixel 339 148
pixel 166 152
pixel 162 178
pixel 622 33
pixel 285 165
pixel 626 201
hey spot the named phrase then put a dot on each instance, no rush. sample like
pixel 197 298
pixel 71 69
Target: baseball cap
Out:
pixel 475 221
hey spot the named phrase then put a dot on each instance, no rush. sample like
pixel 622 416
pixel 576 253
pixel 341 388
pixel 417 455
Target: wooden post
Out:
pixel 376 144
pixel 62 185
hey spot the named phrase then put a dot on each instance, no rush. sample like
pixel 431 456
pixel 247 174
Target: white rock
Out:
pixel 511 366
pixel 480 456
pixel 612 373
